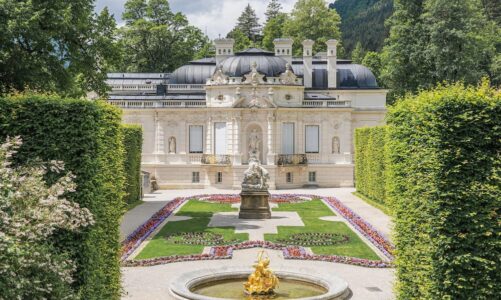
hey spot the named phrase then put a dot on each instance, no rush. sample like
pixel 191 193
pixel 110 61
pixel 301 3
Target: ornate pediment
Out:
pixel 254 77
pixel 255 100
pixel 218 77
pixel 288 77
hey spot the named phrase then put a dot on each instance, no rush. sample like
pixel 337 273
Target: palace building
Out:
pixel 297 113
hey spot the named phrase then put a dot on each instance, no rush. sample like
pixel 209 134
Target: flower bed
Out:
pixel 199 238
pixel 218 252
pixel 310 239
pixel 226 252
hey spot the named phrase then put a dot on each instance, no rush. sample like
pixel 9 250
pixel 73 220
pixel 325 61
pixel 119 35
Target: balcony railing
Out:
pixel 136 104
pixel 328 103
pixel 216 159
pixel 292 160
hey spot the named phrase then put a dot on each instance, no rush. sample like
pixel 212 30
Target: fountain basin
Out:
pixel 227 283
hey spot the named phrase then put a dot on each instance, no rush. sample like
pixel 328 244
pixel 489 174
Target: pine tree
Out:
pixel 273 9
pixel 248 23
pixel 358 54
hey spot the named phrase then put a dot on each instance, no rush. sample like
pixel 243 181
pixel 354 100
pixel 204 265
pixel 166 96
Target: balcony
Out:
pixel 138 104
pixel 216 159
pixel 292 160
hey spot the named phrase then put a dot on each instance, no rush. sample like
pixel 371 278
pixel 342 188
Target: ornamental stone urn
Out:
pixel 254 203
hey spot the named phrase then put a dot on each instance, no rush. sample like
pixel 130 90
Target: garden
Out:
pixel 187 235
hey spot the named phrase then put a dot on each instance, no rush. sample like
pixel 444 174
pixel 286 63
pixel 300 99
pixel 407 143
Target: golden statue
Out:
pixel 262 281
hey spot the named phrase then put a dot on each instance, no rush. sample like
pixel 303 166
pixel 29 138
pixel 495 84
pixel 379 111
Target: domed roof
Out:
pixel 196 72
pixel 241 63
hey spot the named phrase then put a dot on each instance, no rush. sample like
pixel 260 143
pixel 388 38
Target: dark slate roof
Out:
pixel 349 76
pixel 196 73
pixel 267 63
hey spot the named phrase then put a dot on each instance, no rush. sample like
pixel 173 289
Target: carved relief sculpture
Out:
pixel 219 77
pixel 254 77
pixel 172 144
pixel 254 143
pixel 335 145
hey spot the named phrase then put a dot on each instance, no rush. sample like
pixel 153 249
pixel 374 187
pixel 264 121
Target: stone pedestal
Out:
pixel 254 205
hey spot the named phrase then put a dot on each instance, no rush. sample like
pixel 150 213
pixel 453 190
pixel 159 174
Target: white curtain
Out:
pixel 220 138
pixel 196 139
pixel 312 136
pixel 287 138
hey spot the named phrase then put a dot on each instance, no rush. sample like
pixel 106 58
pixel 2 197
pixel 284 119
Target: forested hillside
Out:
pixel 363 21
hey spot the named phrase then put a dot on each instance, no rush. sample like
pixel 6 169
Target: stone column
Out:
pixel 270 160
pixel 237 154
pixel 159 139
pixel 208 136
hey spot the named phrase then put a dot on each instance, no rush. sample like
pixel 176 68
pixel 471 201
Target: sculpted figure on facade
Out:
pixel 288 77
pixel 255 177
pixel 172 144
pixel 254 143
pixel 254 77
pixel 219 77
pixel 336 145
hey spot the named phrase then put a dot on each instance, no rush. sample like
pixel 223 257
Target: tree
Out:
pixel 273 10
pixel 358 54
pixel 55 46
pixel 406 66
pixel 273 29
pixel 157 40
pixel 460 44
pixel 242 42
pixel 372 60
pixel 438 40
pixel 312 19
pixel 30 213
pixel 248 23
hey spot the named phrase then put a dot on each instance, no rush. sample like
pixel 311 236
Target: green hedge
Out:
pixel 443 173
pixel 370 162
pixel 133 141
pixel 85 135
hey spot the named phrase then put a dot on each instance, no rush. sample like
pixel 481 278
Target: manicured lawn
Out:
pixel 200 212
pixel 310 212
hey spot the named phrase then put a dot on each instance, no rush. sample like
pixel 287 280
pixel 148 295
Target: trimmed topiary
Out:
pixel 133 141
pixel 370 162
pixel 443 183
pixel 86 135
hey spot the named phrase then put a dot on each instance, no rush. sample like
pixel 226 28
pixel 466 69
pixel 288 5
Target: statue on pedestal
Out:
pixel 255 177
pixel 254 203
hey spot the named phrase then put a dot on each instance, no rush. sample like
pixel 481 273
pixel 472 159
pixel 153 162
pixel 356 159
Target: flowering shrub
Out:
pixel 314 239
pixel 218 252
pixel 198 238
pixel 30 213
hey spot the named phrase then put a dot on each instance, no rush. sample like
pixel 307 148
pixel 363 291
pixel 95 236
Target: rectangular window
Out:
pixel 220 138
pixel 195 177
pixel 312 176
pixel 287 138
pixel 219 177
pixel 288 177
pixel 196 139
pixel 312 136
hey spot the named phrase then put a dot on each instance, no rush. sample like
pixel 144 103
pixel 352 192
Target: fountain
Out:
pixel 262 283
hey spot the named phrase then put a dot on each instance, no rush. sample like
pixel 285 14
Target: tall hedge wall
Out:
pixel 370 162
pixel 444 154
pixel 133 142
pixel 87 137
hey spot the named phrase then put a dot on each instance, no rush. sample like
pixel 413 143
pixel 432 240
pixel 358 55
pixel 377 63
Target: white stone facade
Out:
pixel 314 147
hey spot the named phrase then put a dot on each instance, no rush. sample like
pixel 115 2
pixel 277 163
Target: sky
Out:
pixel 215 17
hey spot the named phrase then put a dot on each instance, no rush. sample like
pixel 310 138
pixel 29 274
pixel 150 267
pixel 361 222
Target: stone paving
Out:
pixel 153 282
pixel 256 228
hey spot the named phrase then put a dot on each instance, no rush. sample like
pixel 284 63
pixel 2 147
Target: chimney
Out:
pixel 307 63
pixel 283 49
pixel 224 49
pixel 331 64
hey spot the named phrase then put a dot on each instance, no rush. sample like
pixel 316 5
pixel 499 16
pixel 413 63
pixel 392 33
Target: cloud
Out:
pixel 216 17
